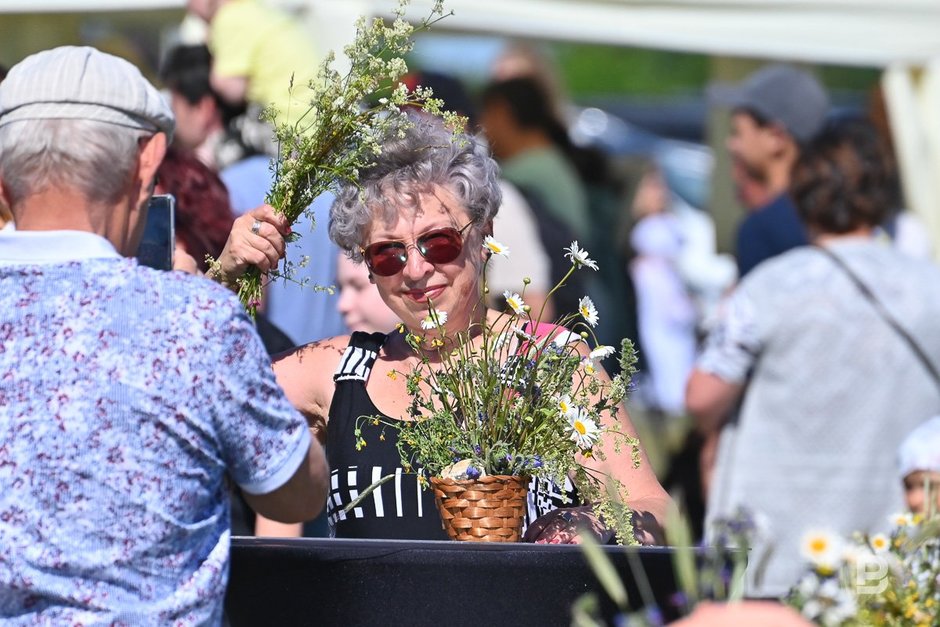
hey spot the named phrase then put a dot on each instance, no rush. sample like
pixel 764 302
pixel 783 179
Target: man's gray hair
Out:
pixel 424 155
pixel 94 158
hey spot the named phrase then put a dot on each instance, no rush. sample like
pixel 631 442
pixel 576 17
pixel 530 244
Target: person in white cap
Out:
pixel 128 395
pixel 919 466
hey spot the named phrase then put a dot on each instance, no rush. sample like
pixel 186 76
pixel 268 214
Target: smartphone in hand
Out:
pixel 159 238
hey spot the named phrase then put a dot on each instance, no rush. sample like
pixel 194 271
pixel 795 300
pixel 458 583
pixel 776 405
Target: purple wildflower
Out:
pixel 678 599
pixel 654 616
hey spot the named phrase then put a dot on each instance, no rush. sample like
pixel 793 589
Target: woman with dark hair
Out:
pixel 831 351
pixel 569 191
pixel 534 150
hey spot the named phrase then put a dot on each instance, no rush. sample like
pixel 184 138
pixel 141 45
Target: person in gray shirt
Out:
pixel 830 351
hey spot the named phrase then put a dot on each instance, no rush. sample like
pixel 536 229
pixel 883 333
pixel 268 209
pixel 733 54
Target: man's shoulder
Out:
pixel 535 160
pixel 780 210
pixel 184 284
pixel 148 290
pixel 769 231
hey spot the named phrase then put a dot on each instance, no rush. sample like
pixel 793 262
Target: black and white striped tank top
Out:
pixel 400 508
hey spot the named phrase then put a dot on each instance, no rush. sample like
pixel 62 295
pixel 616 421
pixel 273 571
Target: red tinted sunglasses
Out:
pixel 388 258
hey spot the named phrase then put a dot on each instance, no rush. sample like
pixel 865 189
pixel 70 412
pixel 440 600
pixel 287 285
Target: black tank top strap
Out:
pixel 359 356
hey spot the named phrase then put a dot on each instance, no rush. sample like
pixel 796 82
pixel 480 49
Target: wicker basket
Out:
pixel 489 509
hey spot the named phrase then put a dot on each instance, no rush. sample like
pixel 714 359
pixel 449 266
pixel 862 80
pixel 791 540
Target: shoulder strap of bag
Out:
pixel 883 312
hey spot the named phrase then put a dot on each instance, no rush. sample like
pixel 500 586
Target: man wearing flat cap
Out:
pixel 127 395
pixel 775 111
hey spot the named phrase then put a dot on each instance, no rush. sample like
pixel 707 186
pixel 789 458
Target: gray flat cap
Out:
pixel 783 94
pixel 82 83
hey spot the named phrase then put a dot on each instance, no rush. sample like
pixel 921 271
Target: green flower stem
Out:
pixel 372 487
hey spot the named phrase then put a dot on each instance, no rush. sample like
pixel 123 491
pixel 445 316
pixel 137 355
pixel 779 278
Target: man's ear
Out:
pixel 4 201
pixel 207 107
pixel 152 152
pixel 780 138
pixel 6 207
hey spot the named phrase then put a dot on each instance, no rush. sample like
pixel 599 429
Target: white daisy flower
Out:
pixel 589 366
pixel 901 519
pixel 879 543
pixel 433 320
pixel 587 310
pixel 836 605
pixel 808 586
pixel 823 549
pixel 584 430
pixel 579 256
pixel 602 352
pixel 495 247
pixel 515 302
pixel 564 404
pixel 566 337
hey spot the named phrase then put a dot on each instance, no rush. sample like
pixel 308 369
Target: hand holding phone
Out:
pixel 159 238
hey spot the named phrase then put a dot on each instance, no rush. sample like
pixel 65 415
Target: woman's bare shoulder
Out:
pixel 306 374
pixel 325 351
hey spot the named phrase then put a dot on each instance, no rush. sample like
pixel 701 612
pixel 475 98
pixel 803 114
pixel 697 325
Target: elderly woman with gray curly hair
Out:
pixel 417 219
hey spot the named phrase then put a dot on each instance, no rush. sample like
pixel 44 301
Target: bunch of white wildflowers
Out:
pixel 882 580
pixel 346 121
pixel 508 400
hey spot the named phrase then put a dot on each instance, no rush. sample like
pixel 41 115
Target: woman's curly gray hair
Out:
pixel 424 154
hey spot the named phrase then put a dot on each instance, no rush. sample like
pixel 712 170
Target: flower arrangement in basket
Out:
pixel 341 130
pixel 512 399
pixel 889 580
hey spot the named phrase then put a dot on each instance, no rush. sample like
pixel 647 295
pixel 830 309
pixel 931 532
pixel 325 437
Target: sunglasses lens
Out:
pixel 385 258
pixel 437 246
pixel 441 246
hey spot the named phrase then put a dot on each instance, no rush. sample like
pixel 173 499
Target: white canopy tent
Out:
pixel 902 37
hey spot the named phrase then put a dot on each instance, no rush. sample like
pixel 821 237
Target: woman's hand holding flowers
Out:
pixel 257 239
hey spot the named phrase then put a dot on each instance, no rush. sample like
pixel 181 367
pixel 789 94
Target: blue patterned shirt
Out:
pixel 127 396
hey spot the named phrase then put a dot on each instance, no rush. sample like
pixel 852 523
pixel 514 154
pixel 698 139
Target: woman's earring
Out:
pixel 371 280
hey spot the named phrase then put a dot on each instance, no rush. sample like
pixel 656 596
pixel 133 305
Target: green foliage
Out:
pixel 594 70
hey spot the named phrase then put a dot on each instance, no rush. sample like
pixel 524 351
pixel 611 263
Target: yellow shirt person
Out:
pixel 256 49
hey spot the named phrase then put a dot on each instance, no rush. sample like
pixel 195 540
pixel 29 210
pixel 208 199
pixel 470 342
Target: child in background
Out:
pixel 359 302
pixel 919 466
pixel 666 313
